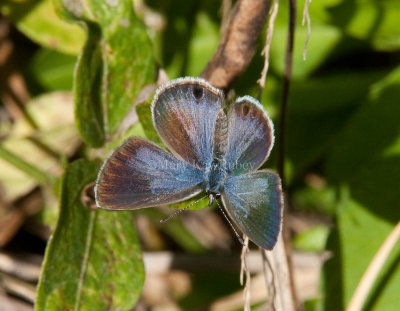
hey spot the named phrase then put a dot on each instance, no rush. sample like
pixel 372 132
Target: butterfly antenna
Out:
pixel 229 222
pixel 179 211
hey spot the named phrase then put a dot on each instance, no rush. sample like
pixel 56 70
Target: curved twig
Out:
pixel 238 44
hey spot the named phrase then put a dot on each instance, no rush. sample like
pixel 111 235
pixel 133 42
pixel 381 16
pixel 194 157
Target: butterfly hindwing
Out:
pixel 140 174
pixel 254 202
pixel 184 114
pixel 250 136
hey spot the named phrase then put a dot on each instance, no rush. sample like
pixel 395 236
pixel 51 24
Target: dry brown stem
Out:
pixel 238 44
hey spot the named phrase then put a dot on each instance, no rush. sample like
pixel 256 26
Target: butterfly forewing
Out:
pixel 250 136
pixel 184 115
pixel 254 202
pixel 140 174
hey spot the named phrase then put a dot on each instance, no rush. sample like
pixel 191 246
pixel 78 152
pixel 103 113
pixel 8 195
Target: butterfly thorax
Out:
pixel 216 178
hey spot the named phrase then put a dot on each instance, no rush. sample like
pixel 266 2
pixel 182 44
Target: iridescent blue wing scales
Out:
pixel 250 136
pixel 254 201
pixel 184 114
pixel 140 174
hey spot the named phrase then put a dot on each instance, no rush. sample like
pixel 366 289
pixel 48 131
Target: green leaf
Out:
pixel 372 130
pixel 376 21
pixel 321 43
pixel 87 90
pixel 143 111
pixel 38 20
pixel 93 260
pixel 116 63
pixel 365 165
pixel 316 117
pixel 359 236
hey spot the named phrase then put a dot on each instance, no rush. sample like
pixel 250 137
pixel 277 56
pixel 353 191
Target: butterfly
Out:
pixel 212 148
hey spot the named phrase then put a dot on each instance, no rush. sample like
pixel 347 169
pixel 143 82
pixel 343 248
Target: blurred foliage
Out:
pixel 38 20
pixel 101 253
pixel 92 59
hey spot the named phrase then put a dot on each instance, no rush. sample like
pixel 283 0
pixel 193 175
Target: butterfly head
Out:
pixel 212 196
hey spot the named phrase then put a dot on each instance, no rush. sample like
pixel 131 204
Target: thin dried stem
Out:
pixel 269 281
pixel 265 52
pixel 244 269
pixel 370 275
pixel 306 18
pixel 284 299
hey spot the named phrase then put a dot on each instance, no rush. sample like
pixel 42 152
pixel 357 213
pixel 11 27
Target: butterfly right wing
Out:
pixel 254 201
pixel 250 136
pixel 140 174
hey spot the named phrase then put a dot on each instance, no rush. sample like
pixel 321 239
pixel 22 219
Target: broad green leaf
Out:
pixel 135 130
pixel 359 236
pixel 338 27
pixel 323 40
pixel 372 130
pixel 38 20
pixel 93 260
pixel 316 116
pixel 116 63
pixel 376 21
pixel 143 111
pixel 365 165
pixel 89 70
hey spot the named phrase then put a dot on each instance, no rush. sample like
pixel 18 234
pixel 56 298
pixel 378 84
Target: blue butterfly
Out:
pixel 211 151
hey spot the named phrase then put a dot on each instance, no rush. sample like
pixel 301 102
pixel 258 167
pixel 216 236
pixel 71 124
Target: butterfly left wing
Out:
pixel 140 174
pixel 184 114
pixel 254 201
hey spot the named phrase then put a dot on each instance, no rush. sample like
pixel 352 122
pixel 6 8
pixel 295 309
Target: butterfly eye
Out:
pixel 198 92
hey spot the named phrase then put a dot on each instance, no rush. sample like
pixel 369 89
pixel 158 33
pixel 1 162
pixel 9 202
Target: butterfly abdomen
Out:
pixel 220 136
